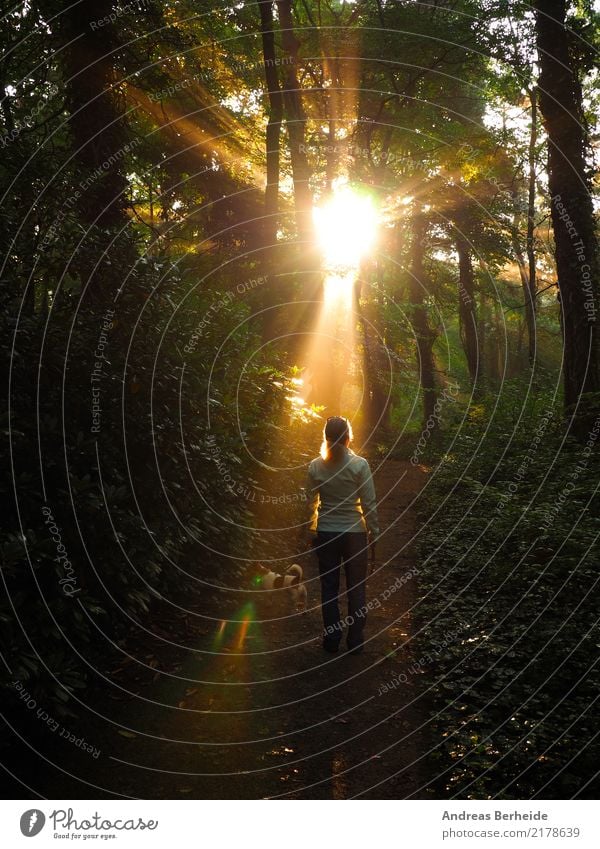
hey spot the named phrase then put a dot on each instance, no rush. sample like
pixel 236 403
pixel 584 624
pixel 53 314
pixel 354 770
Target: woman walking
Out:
pixel 343 510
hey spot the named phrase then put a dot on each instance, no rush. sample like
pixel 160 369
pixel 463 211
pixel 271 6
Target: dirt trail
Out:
pixel 275 716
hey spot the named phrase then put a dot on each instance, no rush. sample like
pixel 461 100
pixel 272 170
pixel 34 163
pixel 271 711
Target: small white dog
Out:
pixel 288 586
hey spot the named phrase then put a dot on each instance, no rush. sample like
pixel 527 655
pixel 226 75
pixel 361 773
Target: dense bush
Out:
pixel 108 508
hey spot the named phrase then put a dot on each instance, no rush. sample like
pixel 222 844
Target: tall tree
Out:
pixel 572 212
pixel 424 335
pixel 275 113
pixel 467 312
pixel 295 122
pixel 531 291
pixel 99 138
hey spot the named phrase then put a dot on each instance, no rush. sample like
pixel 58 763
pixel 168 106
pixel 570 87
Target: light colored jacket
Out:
pixel 341 496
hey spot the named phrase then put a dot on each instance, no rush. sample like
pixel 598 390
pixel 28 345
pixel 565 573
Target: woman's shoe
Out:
pixel 331 646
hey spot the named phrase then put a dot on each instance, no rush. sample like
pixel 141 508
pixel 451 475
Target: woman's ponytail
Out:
pixel 337 434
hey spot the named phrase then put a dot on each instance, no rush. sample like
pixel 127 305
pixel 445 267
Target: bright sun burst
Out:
pixel 345 226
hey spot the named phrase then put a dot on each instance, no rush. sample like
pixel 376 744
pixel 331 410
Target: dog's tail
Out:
pixel 295 570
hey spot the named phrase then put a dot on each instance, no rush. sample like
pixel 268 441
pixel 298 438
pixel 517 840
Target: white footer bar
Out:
pixel 298 824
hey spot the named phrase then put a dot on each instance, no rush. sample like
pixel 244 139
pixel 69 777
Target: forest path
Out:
pixel 272 715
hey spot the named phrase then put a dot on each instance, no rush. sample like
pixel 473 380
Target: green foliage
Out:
pixel 508 569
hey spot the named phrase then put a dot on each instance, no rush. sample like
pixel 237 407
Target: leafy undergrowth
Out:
pixel 108 516
pixel 508 614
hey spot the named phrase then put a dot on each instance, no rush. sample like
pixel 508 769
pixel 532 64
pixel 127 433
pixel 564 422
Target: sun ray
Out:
pixel 346 228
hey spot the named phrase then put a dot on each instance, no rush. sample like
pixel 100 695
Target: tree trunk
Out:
pixel 424 335
pixel 273 136
pixel 572 214
pixel 270 222
pixel 500 352
pixel 482 332
pixel 518 252
pixel 376 403
pixel 524 271
pixel 99 137
pixel 334 112
pixel 530 292
pixel 331 167
pixel 466 308
pixel 295 123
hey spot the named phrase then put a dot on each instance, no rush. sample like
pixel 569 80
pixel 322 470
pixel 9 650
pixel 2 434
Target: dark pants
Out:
pixel 333 549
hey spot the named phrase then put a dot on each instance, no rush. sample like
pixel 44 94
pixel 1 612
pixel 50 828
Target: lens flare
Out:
pixel 220 634
pixel 247 619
